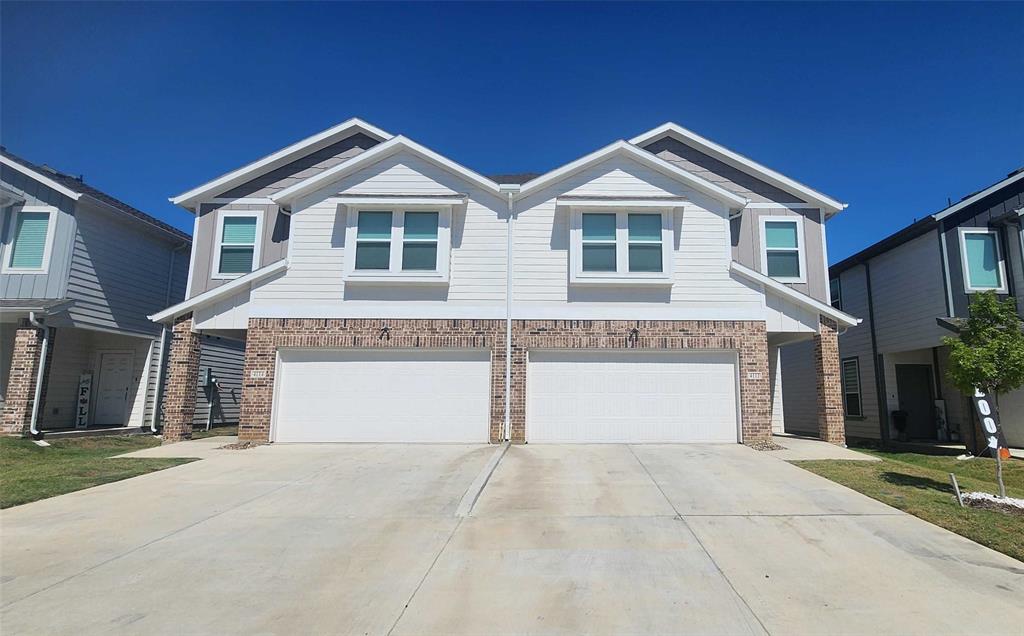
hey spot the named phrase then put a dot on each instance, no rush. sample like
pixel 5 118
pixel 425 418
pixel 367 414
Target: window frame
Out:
pixel 51 223
pixel 835 285
pixel 621 275
pixel 257 247
pixel 860 387
pixel 395 273
pixel 801 247
pixel 965 266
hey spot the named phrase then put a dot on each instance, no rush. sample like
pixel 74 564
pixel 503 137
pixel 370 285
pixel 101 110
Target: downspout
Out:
pixel 33 428
pixel 877 364
pixel 510 192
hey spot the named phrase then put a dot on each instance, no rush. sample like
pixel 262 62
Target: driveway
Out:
pixel 295 539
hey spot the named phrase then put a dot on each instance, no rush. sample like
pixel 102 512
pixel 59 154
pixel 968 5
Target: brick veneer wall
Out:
pixel 265 336
pixel 179 401
pixel 16 417
pixel 831 423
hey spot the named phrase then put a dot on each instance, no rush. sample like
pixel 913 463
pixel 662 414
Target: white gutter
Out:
pixel 510 190
pixel 40 374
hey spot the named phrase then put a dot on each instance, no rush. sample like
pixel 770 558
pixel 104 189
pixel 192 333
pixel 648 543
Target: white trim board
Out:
pixel 8 251
pixel 962 233
pixel 800 246
pixel 40 177
pixel 956 207
pixel 257 247
pixel 217 293
pixel 843 318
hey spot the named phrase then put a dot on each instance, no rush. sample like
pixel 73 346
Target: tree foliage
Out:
pixel 989 352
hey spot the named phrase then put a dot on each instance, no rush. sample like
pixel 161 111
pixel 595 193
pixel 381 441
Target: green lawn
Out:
pixel 29 472
pixel 919 484
pixel 200 433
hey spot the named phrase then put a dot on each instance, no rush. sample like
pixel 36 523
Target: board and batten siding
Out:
pixel 747 246
pixel 273 242
pixel 52 283
pixel 316 257
pixel 120 271
pixel 225 358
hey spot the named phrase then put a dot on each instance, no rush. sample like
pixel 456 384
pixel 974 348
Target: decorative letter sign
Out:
pixel 82 403
pixel 990 422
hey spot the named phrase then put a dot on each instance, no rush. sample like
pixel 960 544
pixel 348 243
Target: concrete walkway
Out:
pixel 806 448
pixel 201 448
pixel 610 539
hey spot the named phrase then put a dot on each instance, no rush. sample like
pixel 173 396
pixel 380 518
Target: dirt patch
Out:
pixel 765 445
pixel 1007 505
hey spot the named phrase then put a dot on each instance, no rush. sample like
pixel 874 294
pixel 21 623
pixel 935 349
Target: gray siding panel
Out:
pixel 799 388
pixel 909 295
pixel 746 246
pixel 226 358
pixel 856 343
pixel 273 248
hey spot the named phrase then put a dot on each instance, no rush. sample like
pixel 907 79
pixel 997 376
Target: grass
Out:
pixel 29 472
pixel 918 484
pixel 199 433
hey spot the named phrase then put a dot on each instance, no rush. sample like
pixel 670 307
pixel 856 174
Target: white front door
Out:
pixel 113 389
pixel 631 396
pixel 363 395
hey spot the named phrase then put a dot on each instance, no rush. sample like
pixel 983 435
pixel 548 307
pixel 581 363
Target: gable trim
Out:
pixel 769 284
pixel 277 159
pixel 956 207
pixel 739 162
pixel 217 293
pixel 41 178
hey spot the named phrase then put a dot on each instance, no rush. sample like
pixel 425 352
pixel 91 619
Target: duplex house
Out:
pixel 79 273
pixel 384 292
pixel 912 288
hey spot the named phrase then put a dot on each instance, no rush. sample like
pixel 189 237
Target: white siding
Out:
pixel 909 296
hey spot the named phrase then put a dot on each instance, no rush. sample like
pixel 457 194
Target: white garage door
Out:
pixel 362 395
pixel 631 396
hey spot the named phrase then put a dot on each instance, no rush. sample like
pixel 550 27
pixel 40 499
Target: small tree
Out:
pixel 988 354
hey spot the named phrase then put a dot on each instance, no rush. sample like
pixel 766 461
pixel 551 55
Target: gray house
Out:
pixel 79 272
pixel 910 288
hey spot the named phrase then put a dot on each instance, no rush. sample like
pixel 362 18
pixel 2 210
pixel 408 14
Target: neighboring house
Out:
pixel 386 293
pixel 79 272
pixel 911 288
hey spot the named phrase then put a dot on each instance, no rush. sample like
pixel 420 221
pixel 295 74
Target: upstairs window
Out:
pixel 851 388
pixel 31 237
pixel 782 256
pixel 398 245
pixel 419 243
pixel 982 260
pixel 373 247
pixel 237 244
pixel 836 291
pixel 620 247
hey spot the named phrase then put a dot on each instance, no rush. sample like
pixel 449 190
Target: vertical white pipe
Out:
pixel 40 373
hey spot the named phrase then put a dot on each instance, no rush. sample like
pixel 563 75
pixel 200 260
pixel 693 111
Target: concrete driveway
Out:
pixel 561 539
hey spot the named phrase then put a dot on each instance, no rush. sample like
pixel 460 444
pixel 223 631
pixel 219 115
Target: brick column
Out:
pixel 831 425
pixel 16 417
pixel 258 380
pixel 179 405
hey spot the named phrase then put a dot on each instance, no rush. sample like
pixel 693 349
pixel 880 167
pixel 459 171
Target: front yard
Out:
pixel 29 472
pixel 919 484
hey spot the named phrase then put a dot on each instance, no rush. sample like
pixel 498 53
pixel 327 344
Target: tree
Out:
pixel 988 353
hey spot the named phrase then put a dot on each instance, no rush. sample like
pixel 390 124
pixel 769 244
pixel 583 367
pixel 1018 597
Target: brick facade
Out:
pixel 265 336
pixel 179 402
pixel 831 423
pixel 16 416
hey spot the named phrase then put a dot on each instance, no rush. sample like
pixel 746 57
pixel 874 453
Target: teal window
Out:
pixel 644 242
pixel 599 242
pixel 28 249
pixel 237 245
pixel 851 388
pixel 419 241
pixel 982 262
pixel 782 249
pixel 373 240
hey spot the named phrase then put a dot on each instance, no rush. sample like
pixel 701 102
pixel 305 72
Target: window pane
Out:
pixel 598 227
pixel 373 255
pixel 235 260
pixel 645 258
pixel 598 258
pixel 644 227
pixel 239 230
pixel 421 225
pixel 853 404
pixel 30 240
pixel 780 234
pixel 374 225
pixel 982 264
pixel 784 264
pixel 419 256
pixel 837 294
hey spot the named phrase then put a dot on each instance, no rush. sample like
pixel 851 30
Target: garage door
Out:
pixel 382 396
pixel 631 396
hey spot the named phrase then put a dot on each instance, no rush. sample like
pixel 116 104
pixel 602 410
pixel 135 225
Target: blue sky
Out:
pixel 889 107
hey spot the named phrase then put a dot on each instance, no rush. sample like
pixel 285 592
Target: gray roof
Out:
pixel 515 177
pixel 76 184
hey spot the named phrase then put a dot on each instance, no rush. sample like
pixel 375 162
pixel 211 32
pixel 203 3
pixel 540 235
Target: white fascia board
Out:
pixel 41 178
pixel 418 200
pixel 740 162
pixel 843 318
pixel 1013 178
pixel 277 159
pixel 734 201
pixel 217 293
pixel 373 155
pixel 626 202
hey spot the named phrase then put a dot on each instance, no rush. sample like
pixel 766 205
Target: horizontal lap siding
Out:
pixel 226 358
pixel 799 388
pixel 908 295
pixel 856 342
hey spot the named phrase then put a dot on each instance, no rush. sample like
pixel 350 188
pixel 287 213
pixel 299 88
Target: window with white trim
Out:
pixel 982 259
pixel 852 405
pixel 31 239
pixel 782 248
pixel 617 246
pixel 238 243
pixel 399 244
pixel 836 291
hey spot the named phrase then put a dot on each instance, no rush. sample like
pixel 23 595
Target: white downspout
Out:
pixel 40 374
pixel 510 191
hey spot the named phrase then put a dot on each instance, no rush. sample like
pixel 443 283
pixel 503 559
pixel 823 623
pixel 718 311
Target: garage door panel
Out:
pixel 631 396
pixel 382 396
